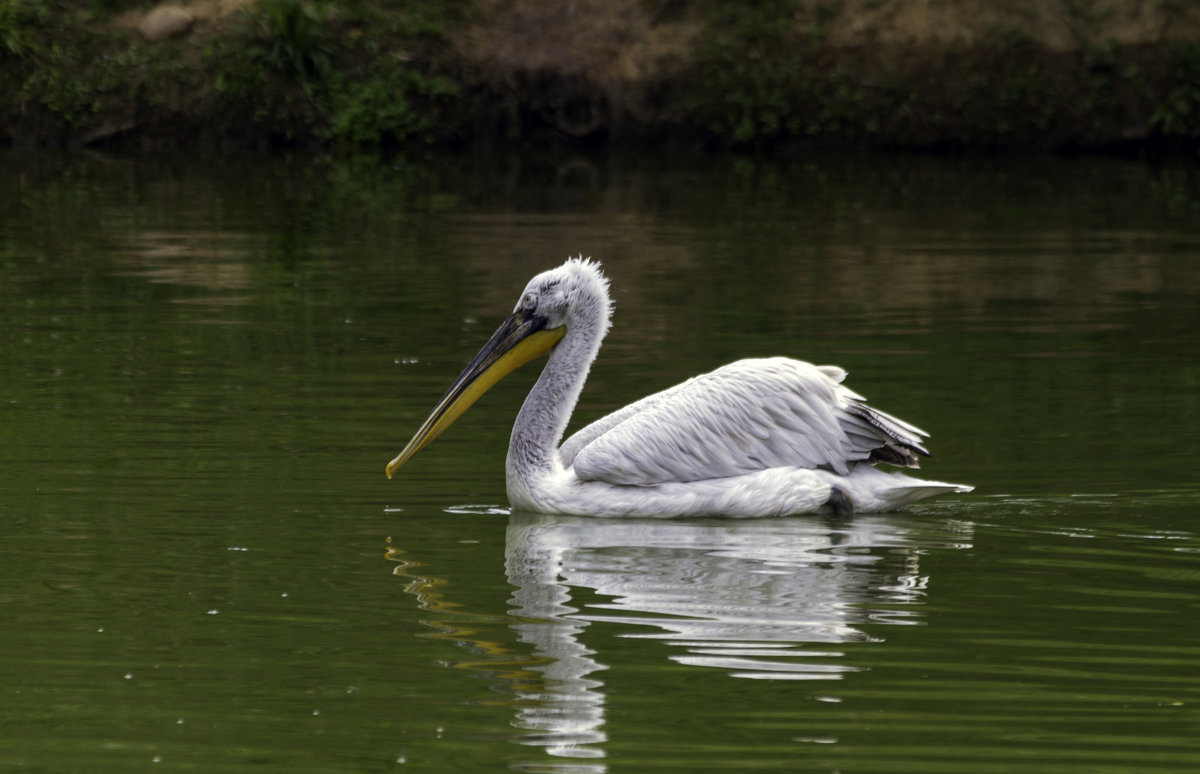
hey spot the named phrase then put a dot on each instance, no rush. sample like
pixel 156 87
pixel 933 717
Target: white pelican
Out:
pixel 769 437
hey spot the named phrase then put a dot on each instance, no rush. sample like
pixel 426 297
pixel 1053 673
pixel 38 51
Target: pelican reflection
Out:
pixel 772 599
pixel 766 599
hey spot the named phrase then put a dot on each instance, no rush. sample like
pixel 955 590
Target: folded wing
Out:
pixel 747 416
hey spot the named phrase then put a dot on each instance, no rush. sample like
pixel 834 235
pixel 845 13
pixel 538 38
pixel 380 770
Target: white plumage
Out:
pixel 763 437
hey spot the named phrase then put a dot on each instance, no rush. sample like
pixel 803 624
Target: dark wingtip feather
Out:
pixel 904 442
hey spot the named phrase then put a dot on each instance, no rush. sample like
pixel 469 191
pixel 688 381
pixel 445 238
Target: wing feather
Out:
pixel 747 416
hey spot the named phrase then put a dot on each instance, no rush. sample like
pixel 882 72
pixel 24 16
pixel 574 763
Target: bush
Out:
pixel 19 22
pixel 396 105
pixel 294 37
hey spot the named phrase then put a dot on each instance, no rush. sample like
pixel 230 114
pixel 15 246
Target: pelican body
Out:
pixel 757 437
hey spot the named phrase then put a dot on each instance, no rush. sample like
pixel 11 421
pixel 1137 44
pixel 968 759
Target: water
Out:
pixel 207 363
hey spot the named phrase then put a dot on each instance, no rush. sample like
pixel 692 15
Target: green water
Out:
pixel 207 363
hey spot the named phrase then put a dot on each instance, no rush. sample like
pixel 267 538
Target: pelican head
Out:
pixel 569 297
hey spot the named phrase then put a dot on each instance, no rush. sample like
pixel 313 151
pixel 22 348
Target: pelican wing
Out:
pixel 747 416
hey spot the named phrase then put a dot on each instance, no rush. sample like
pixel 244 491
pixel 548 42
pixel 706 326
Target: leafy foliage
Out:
pixel 294 37
pixel 749 70
pixel 1178 115
pixel 19 20
pixel 386 107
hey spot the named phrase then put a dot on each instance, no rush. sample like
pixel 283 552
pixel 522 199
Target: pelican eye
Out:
pixel 529 301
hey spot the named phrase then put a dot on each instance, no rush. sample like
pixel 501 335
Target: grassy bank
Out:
pixel 1038 75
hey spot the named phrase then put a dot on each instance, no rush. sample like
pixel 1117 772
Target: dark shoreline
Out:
pixel 291 74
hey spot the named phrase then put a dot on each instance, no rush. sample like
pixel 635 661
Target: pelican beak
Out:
pixel 521 338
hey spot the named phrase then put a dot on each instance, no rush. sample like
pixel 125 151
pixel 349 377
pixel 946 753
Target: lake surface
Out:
pixel 208 361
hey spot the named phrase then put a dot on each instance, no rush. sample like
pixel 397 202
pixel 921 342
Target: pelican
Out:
pixel 757 437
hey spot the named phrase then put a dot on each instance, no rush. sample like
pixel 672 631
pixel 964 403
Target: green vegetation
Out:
pixel 293 38
pixel 18 20
pixel 761 74
pixel 751 74
pixel 358 73
pixel 1178 112
pixel 276 72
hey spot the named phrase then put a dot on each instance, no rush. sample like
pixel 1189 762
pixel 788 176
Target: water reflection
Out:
pixel 766 599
